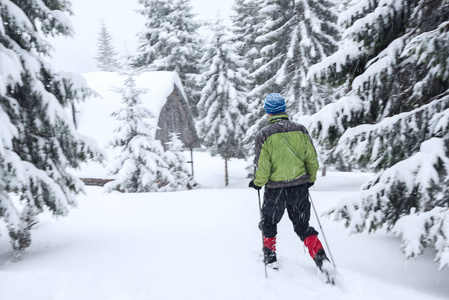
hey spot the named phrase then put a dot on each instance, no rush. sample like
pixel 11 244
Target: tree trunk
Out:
pixel 226 172
pixel 323 172
pixel 191 158
pixel 74 115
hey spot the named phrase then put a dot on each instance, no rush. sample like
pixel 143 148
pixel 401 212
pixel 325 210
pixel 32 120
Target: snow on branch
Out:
pixel 416 179
pixel 430 227
pixel 353 47
pixel 54 21
pixel 8 210
pixel 18 15
pixel 336 61
pixel 417 172
pixel 356 8
pixel 382 63
pixel 44 183
pixel 11 68
pixel 427 48
pixel 375 144
pixel 333 118
pixel 7 132
pixel 385 11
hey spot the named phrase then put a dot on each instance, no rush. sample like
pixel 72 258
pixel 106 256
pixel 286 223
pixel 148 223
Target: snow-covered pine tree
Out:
pixel 106 55
pixel 153 48
pixel 170 41
pixel 295 35
pixel 179 177
pixel 394 119
pixel 246 23
pixel 222 104
pixel 312 36
pixel 38 141
pixel 139 164
pixel 271 47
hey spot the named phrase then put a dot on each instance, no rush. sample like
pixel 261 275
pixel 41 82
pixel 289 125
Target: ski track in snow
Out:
pixel 205 244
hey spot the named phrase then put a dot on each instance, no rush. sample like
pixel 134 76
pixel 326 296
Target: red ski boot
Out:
pixel 269 251
pixel 318 254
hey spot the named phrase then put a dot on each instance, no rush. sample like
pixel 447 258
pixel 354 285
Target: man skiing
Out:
pixel 286 164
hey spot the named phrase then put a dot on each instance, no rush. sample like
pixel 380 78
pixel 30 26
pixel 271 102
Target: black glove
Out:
pixel 252 185
pixel 310 184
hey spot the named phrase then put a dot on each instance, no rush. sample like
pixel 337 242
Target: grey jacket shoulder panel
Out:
pixel 280 126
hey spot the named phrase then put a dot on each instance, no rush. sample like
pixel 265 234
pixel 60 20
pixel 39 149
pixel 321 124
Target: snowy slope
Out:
pixel 205 244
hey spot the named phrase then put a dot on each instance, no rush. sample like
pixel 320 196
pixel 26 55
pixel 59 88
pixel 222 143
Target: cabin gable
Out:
pixel 175 117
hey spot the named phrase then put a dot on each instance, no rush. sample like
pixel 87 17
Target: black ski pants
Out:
pixel 296 200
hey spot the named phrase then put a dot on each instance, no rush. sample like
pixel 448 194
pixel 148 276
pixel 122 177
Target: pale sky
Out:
pixel 123 23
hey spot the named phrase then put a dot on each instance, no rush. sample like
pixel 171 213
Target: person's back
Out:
pixel 285 155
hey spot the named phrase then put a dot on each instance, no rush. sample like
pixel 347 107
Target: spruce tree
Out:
pixel 294 36
pixel 139 165
pixel 179 177
pixel 393 119
pixel 247 22
pixel 222 104
pixel 38 141
pixel 272 43
pixel 170 41
pixel 270 47
pixel 312 37
pixel 106 54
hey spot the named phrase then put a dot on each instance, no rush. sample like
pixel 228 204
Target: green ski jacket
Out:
pixel 284 154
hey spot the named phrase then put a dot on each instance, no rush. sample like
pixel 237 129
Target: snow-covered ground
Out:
pixel 204 244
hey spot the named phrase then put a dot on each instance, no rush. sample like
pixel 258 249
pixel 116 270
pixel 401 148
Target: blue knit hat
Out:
pixel 274 104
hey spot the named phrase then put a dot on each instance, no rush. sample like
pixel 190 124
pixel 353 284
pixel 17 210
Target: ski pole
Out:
pixel 322 231
pixel 261 229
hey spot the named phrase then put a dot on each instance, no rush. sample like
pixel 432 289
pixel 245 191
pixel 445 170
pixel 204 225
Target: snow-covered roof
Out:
pixel 94 114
